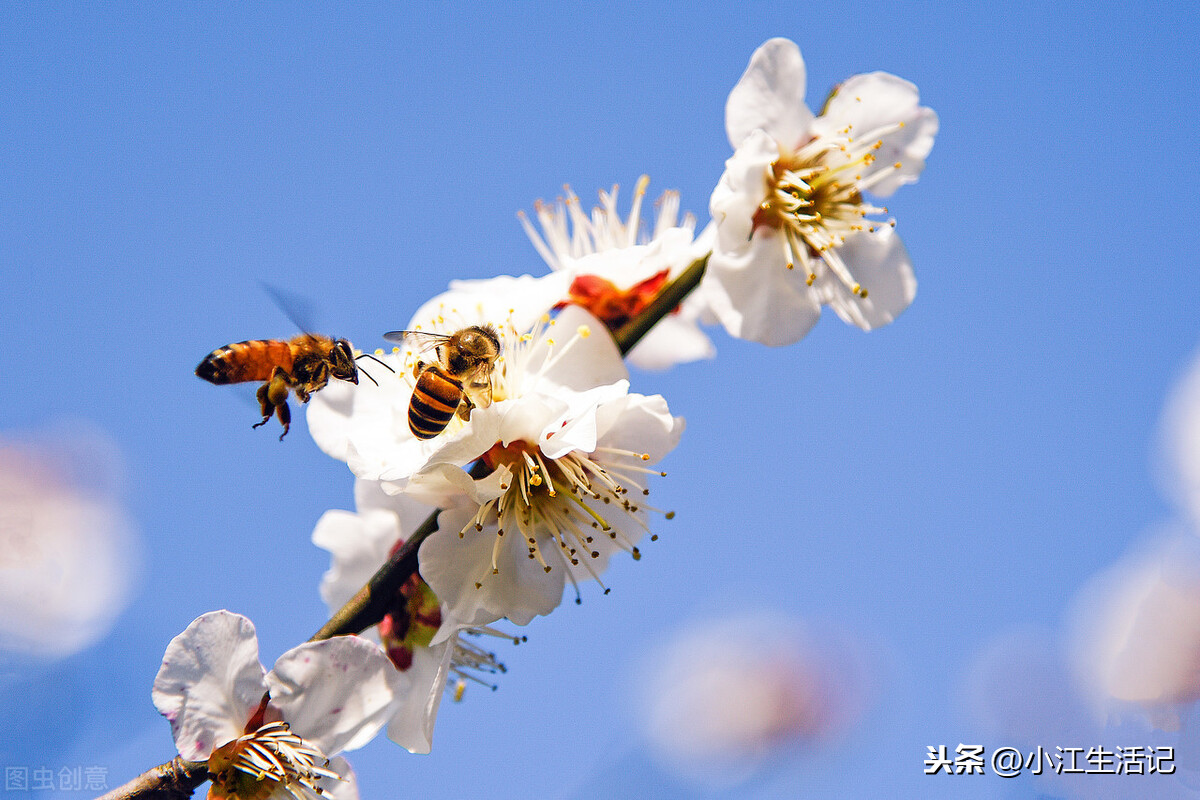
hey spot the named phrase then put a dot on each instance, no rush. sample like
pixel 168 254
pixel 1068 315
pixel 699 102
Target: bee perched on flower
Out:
pixel 567 450
pixel 795 230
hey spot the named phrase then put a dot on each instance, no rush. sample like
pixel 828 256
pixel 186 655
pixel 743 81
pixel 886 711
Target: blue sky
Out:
pixel 925 487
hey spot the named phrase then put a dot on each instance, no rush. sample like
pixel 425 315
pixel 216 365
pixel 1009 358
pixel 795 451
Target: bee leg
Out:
pixel 464 408
pixel 272 396
pixel 285 418
pixel 268 408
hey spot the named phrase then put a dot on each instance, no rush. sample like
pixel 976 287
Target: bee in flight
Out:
pixel 459 380
pixel 303 364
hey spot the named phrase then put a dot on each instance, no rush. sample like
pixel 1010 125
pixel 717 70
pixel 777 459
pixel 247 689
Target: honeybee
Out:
pixel 458 381
pixel 303 364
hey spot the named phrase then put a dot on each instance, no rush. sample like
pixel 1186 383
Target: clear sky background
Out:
pixel 924 488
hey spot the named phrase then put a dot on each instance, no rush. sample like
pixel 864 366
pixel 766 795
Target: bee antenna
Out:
pixel 377 361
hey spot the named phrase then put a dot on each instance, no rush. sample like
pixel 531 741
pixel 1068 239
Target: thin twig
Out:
pixel 175 780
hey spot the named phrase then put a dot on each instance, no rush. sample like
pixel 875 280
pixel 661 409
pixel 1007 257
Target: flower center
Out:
pixel 608 303
pixel 415 617
pixel 272 758
pixel 815 200
pixel 567 502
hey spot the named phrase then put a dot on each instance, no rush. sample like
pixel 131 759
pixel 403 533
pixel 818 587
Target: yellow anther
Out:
pixel 812 276
pixel 585 331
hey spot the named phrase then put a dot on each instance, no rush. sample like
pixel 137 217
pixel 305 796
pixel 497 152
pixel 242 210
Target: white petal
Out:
pixel 445 485
pixel 210 683
pixel 875 102
pixel 742 188
pixel 880 262
pixel 370 495
pixel 412 725
pixel 756 297
pixel 592 360
pixel 523 299
pixel 641 424
pixel 674 340
pixel 336 693
pixel 576 429
pixel 520 590
pixel 329 418
pixel 359 544
pixel 770 95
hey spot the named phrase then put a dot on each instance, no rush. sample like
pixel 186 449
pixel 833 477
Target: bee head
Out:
pixel 341 361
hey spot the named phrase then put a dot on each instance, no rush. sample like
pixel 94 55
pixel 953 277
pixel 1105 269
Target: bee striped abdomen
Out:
pixel 435 399
pixel 252 360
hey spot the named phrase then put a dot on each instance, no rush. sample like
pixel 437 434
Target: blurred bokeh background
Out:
pixel 922 512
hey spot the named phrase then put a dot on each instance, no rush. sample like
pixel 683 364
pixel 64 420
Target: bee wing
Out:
pixel 419 340
pixel 296 307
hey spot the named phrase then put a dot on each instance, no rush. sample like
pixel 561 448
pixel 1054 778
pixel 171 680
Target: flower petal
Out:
pixel 770 95
pixel 675 339
pixel 412 725
pixel 520 588
pixel 756 297
pixel 210 683
pixel 359 544
pixel 881 264
pixel 872 105
pixel 742 188
pixel 336 693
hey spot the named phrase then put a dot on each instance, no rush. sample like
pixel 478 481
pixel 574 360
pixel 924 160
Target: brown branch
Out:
pixel 175 780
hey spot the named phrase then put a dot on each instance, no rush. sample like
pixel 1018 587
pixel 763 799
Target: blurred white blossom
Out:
pixel 725 697
pixel 794 230
pixel 1021 692
pixel 1181 443
pixel 1136 632
pixel 66 544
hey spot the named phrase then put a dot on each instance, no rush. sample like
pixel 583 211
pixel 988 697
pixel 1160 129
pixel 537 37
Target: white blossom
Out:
pixel 66 544
pixel 794 230
pixel 1136 632
pixel 359 544
pixel 568 448
pixel 727 696
pixel 614 269
pixel 367 425
pixel 277 728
